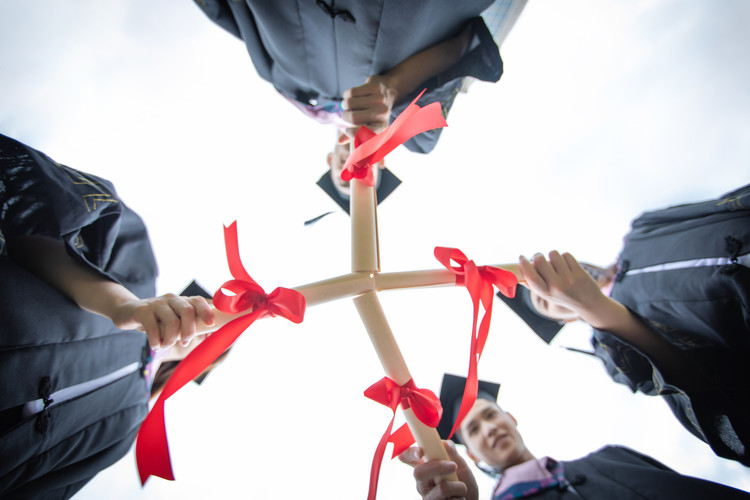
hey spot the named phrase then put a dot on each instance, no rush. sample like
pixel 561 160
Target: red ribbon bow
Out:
pixel 152 449
pixel 479 281
pixel 423 402
pixel 371 148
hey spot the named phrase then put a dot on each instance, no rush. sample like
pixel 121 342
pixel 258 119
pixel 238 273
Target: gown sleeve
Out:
pixel 481 61
pixel 41 197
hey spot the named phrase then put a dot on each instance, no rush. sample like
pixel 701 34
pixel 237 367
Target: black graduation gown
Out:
pixel 619 473
pixel 313 51
pixel 681 270
pixel 48 344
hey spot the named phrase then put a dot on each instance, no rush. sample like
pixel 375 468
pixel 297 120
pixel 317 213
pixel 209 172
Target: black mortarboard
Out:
pixel 451 393
pixel 546 328
pixel 387 183
pixel 195 288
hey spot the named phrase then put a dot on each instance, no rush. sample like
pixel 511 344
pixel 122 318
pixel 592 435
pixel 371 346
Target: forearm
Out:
pixel 615 318
pixel 48 259
pixel 408 74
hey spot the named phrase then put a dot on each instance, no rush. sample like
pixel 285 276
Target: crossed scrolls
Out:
pixel 248 302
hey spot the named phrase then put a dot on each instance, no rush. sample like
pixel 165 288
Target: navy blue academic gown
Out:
pixel 619 473
pixel 48 344
pixel 684 271
pixel 313 51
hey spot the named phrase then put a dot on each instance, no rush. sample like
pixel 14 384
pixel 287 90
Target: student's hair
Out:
pixel 167 368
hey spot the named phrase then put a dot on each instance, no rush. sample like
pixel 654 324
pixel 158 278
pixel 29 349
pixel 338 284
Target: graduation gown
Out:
pixel 619 473
pixel 313 51
pixel 51 441
pixel 684 271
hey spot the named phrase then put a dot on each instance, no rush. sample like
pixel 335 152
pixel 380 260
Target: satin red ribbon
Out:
pixel 151 448
pixel 479 281
pixel 423 402
pixel 371 148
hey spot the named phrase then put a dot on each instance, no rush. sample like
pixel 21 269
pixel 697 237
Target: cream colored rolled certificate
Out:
pixel 368 307
pixel 362 206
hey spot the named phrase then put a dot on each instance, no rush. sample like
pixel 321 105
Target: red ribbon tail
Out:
pixel 470 396
pixel 151 447
pixel 233 254
pixel 484 325
pixel 377 460
pixel 475 284
pixel 402 439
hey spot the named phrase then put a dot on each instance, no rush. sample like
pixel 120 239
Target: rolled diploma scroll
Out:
pixel 368 307
pixel 350 285
pixel 363 207
pixel 431 277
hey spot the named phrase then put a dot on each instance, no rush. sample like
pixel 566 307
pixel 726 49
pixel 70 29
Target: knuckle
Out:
pixel 418 474
pixel 424 487
pixel 443 488
pixel 154 336
pixel 173 326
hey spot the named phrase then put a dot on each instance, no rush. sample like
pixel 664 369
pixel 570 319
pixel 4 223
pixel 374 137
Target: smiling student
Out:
pixel 494 443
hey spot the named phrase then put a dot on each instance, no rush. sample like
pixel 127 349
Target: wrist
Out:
pixel 393 82
pixel 463 41
pixel 604 314
pixel 112 299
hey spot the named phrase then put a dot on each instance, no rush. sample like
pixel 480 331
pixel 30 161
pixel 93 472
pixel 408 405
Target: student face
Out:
pixel 491 435
pixel 552 310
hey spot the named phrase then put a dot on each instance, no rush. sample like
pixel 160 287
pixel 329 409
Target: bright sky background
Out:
pixel 605 109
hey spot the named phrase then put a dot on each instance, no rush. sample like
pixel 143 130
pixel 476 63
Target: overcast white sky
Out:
pixel 606 109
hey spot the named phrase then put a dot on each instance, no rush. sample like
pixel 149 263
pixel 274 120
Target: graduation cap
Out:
pixel 546 328
pixel 193 289
pixel 387 183
pixel 451 393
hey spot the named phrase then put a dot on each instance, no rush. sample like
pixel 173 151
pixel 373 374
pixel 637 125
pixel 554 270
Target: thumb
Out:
pixel 412 456
pixel 450 447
